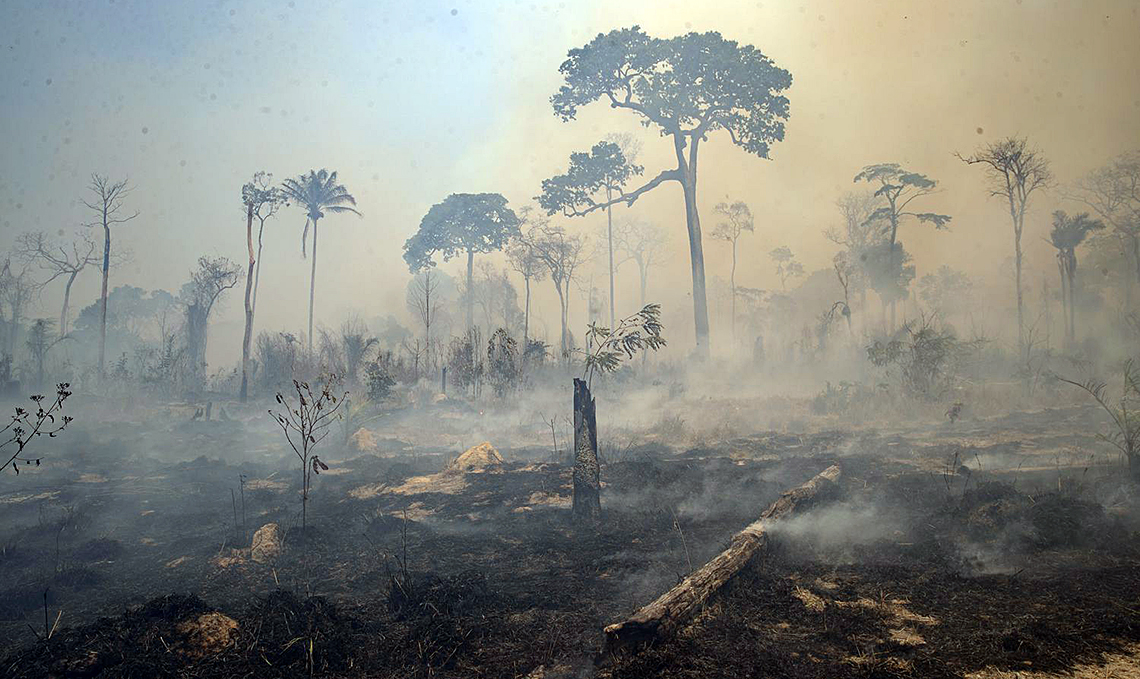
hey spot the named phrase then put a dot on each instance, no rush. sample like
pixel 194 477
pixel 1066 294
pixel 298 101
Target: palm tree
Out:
pixel 317 192
pixel 1066 235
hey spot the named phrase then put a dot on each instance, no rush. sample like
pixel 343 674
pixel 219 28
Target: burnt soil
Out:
pixel 966 568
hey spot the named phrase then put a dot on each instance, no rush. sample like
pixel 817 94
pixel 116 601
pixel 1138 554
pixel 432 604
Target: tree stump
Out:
pixel 587 474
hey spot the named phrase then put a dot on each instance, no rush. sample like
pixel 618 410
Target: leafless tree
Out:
pixel 423 299
pixel 523 258
pixel 1014 172
pixel 107 206
pixel 58 260
pixel 641 243
pixel 562 253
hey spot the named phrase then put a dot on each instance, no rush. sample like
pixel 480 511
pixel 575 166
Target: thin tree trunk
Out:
pixel 312 288
pixel 103 296
pixel 732 284
pixel 562 304
pixel 1064 300
pixel 470 289
pixel 644 273
pixel 526 313
pixel 587 508
pixel 1020 302
pixel 247 337
pixel 66 303
pixel 1072 274
pixel 610 232
pixel 257 272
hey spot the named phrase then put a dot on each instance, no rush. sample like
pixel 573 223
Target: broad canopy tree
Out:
pixel 687 87
pixel 462 223
pixel 899 187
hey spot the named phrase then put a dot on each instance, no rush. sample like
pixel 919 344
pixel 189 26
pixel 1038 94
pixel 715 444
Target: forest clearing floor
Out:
pixel 992 548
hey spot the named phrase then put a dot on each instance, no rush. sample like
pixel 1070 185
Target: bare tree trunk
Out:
pixel 470 289
pixel 526 313
pixel 1072 274
pixel 1020 302
pixel 610 232
pixel 672 609
pixel 247 337
pixel 1065 300
pixel 312 288
pixel 66 303
pixel 643 270
pixel 732 284
pixel 562 303
pixel 257 272
pixel 587 474
pixel 103 297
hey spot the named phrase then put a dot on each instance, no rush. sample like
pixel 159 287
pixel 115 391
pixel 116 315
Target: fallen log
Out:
pixel 673 608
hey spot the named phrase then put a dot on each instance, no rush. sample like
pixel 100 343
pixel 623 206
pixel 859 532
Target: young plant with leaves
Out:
pixel 1123 411
pixel 606 347
pixel 306 423
pixel 27 425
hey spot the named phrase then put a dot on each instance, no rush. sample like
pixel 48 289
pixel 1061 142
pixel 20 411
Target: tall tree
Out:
pixel 899 187
pixel 737 220
pixel 213 277
pixel 107 204
pixel 317 193
pixel 261 200
pixel 1113 192
pixel 562 253
pixel 16 292
pixel 687 86
pixel 1014 172
pixel 603 171
pixel 462 223
pixel 1067 234
pixel 641 243
pixel 526 262
pixel 58 260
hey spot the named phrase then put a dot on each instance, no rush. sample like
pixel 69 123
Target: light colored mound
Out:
pixel 480 458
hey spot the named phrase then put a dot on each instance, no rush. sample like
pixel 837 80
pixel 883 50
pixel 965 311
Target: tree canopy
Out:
pixel 461 223
pixel 688 85
pixel 604 169
pixel 899 187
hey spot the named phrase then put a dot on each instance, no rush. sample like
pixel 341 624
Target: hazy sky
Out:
pixel 411 101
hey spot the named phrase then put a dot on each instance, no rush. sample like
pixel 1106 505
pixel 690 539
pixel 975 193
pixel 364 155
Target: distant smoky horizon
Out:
pixel 410 103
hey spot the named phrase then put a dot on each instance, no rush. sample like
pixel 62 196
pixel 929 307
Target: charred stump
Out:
pixel 673 608
pixel 587 474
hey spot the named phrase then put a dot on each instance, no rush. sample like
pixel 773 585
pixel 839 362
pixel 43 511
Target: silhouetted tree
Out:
pixel 213 277
pixel 261 200
pixel 562 253
pixel 898 188
pixel 1066 236
pixel 737 220
pixel 604 170
pixel 786 265
pixel 317 193
pixel 641 243
pixel 1014 172
pixel 462 223
pixel 688 87
pixel 108 208
pixel 1113 192
pixel 58 260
